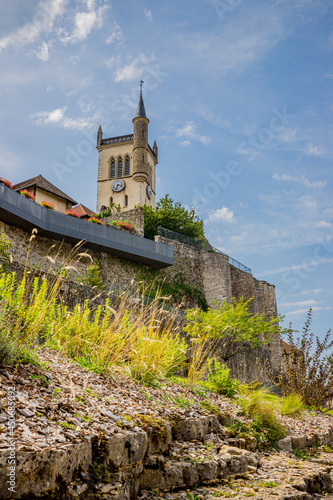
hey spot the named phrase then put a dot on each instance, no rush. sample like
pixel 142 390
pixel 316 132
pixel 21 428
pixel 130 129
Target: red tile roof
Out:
pixel 82 210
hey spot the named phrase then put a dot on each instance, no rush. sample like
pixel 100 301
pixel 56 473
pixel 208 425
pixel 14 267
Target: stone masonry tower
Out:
pixel 126 166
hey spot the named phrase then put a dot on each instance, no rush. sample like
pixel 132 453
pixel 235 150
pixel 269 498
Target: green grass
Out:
pixel 292 405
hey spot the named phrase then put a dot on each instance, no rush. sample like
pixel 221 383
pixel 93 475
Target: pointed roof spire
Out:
pixel 141 107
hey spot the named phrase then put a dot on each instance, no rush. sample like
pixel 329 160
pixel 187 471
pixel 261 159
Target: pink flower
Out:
pixel 6 183
pixel 27 194
pixel 73 214
pixel 96 221
pixel 48 205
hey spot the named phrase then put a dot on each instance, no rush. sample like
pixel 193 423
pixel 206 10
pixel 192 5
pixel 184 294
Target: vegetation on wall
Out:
pixel 173 216
pixel 114 208
pixel 177 290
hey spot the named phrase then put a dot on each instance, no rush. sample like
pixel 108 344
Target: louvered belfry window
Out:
pixel 127 167
pixel 112 169
pixel 120 167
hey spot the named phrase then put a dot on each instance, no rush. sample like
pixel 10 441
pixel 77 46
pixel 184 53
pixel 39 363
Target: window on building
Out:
pixel 127 167
pixel 113 169
pixel 120 167
pixel 126 200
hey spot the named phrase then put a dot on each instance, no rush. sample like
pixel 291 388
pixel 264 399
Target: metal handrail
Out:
pixel 202 245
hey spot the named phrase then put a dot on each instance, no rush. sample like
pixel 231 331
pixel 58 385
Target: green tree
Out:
pixel 173 216
pixel 233 326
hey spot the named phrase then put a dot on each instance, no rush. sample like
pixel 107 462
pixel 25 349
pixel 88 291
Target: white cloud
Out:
pixel 307 264
pixel 188 132
pixel 185 143
pixel 299 312
pixel 314 150
pixel 221 215
pixel 57 117
pixel 323 224
pixel 42 22
pixel 85 22
pixel 133 70
pixel 116 35
pixel 44 52
pixel 304 303
pixel 148 14
pixel 301 180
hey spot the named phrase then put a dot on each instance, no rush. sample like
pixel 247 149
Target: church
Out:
pixel 126 166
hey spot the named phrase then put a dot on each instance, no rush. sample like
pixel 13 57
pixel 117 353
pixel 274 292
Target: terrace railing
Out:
pixel 203 245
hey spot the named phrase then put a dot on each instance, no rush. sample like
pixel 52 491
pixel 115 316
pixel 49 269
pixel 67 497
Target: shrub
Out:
pixel 6 183
pixel 96 221
pixel 292 405
pixel 4 245
pixel 233 325
pixel 219 381
pixel 48 205
pixel 92 277
pixel 27 194
pixel 72 213
pixel 306 369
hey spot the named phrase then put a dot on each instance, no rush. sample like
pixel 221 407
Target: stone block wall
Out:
pixel 134 216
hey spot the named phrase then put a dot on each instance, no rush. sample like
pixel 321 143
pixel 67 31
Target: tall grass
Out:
pixel 263 412
pixel 142 339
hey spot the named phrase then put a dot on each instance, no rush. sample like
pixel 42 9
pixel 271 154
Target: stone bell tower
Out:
pixel 126 166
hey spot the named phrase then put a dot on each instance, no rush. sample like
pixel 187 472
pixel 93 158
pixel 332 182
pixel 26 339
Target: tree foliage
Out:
pixel 306 369
pixel 233 326
pixel 173 216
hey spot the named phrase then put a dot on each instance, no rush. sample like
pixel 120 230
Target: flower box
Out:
pixel 73 214
pixel 48 205
pixel 27 194
pixel 6 183
pixel 96 221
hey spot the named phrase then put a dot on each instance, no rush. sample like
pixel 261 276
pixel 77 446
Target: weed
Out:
pixel 300 454
pixel 67 425
pixel 263 414
pixel 209 446
pixel 218 379
pixel 183 402
pixel 292 405
pixel 158 426
pixel 267 484
pixel 327 449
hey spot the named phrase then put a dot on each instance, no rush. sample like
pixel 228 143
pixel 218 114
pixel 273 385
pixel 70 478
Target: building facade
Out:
pixel 126 166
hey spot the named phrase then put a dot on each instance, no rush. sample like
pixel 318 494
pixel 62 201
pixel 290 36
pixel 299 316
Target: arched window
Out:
pixel 120 167
pixel 113 168
pixel 127 166
pixel 126 200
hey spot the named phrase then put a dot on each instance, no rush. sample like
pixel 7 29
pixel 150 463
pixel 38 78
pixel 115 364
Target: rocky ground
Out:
pixel 62 404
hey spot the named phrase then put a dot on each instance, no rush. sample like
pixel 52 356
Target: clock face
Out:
pixel 149 192
pixel 118 185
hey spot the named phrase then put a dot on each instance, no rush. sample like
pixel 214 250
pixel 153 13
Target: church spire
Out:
pixel 141 112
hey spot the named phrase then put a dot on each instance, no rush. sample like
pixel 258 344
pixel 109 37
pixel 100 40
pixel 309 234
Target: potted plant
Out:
pixel 6 183
pixel 27 194
pixel 96 221
pixel 48 205
pixel 73 214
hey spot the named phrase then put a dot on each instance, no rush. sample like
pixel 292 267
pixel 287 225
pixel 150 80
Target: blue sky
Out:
pixel 239 96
